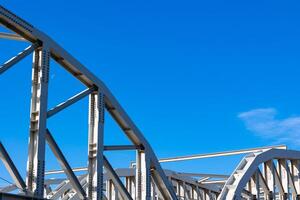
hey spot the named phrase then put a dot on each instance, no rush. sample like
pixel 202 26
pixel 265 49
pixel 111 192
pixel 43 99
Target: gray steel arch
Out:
pixel 236 183
pixel 145 179
pixel 49 48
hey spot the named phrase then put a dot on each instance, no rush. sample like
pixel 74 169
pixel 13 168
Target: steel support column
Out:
pixel 108 189
pixel 143 176
pixel 295 174
pixel 95 146
pixel 38 117
pixel 130 186
pixel 270 178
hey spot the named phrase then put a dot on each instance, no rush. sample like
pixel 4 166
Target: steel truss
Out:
pixel 266 173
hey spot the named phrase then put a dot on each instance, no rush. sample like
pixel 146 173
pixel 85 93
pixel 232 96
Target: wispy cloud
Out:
pixel 263 122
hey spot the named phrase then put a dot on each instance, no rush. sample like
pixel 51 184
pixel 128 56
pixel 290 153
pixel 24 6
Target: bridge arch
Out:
pixel 271 174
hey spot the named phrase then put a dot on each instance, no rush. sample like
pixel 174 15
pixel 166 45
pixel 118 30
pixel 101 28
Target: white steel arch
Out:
pixel 266 173
pixel 100 98
pixel 271 174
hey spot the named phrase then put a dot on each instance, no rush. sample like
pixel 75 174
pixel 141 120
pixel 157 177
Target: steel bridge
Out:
pixel 264 173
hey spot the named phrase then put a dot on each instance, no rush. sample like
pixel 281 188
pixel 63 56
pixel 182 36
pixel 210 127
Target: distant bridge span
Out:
pixel 265 173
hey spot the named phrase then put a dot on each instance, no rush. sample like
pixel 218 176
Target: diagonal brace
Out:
pixel 263 181
pixel 11 168
pixel 116 180
pixel 70 101
pixel 11 36
pixel 65 165
pixel 278 181
pixel 18 58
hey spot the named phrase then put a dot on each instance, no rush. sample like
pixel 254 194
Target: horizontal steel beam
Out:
pixel 70 101
pixel 121 147
pixel 5 196
pixel 214 182
pixel 218 154
pixel 17 58
pixel 9 188
pixel 203 175
pixel 11 36
pixel 77 169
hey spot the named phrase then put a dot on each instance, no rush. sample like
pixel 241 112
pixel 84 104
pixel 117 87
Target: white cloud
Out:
pixel 263 122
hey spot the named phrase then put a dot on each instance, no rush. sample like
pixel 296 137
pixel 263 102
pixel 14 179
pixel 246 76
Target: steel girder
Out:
pixel 186 186
pixel 46 50
pixel 257 176
pixel 263 174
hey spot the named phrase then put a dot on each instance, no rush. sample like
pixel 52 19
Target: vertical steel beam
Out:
pixel 178 188
pixel 198 194
pixel 143 176
pixel 153 190
pixel 257 184
pixel 130 186
pixel 115 193
pixel 185 192
pixel 127 183
pixel 295 175
pixel 109 189
pixel 38 117
pixel 270 178
pixel 133 187
pixel 95 146
pixel 283 173
pixel 254 186
pixel 206 194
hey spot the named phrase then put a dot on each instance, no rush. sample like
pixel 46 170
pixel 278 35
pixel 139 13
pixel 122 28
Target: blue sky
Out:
pixel 195 76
